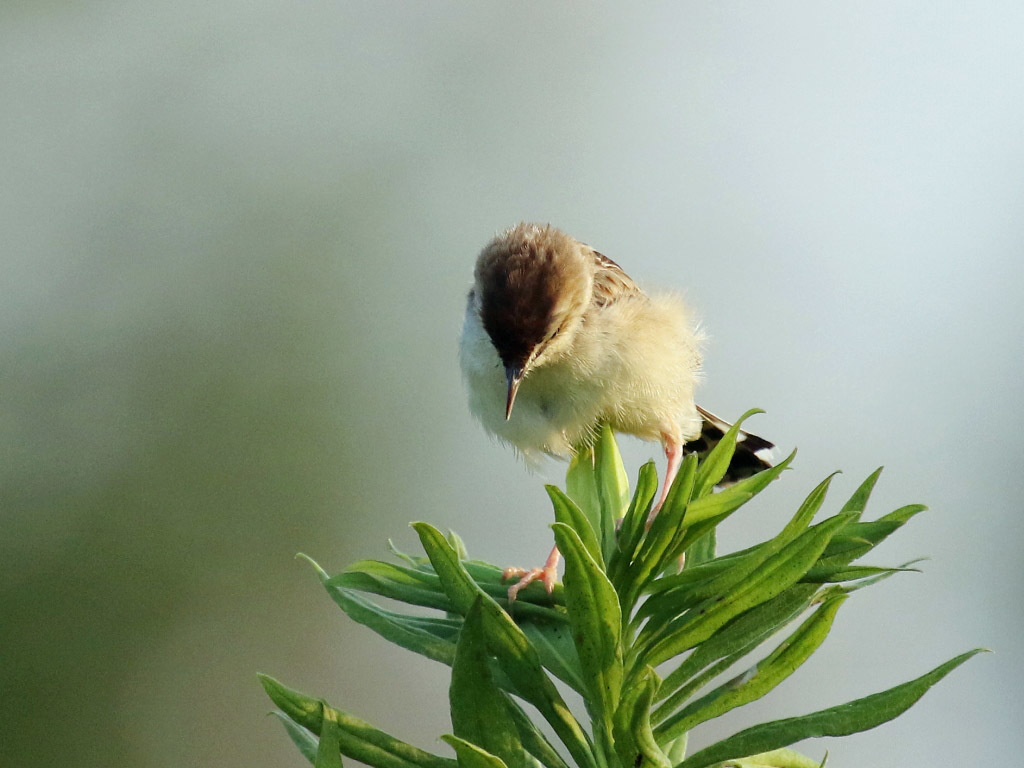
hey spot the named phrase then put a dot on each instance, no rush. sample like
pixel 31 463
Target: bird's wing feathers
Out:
pixel 752 453
pixel 611 283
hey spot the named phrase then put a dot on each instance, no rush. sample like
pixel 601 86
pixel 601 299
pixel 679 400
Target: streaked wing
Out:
pixel 752 453
pixel 610 282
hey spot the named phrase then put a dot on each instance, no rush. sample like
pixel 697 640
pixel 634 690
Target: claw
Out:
pixel 544 575
pixel 548 575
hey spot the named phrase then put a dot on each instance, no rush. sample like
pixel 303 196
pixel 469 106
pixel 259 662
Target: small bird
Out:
pixel 558 340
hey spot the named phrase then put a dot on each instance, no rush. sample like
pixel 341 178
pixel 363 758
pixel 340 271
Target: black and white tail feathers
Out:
pixel 752 453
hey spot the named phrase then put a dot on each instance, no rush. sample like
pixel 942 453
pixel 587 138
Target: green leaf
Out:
pixel 674 594
pixel 596 625
pixel 702 550
pixel 732 642
pixel 320 572
pixel 666 605
pixel 581 485
pixel 478 710
pixel 837 574
pixel 634 523
pixel 859 501
pixel 458 545
pixel 557 651
pixel 758 680
pixel 861 583
pixel 714 467
pixel 677 750
pixel 719 506
pixel 634 741
pixel 568 513
pixel 779 758
pixel 654 548
pixel 516 656
pixel 807 510
pixel 328 753
pixel 780 571
pixel 301 738
pixel 470 755
pixel 858 538
pixel 853 717
pixel 533 740
pixel 692 576
pixel 430 637
pixel 421 586
pixel 356 738
pixel 716 504
pixel 612 487
pixel 456 582
pixel 409 585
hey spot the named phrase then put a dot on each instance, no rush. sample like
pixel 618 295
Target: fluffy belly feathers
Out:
pixel 640 387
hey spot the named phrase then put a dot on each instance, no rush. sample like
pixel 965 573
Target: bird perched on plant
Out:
pixel 558 340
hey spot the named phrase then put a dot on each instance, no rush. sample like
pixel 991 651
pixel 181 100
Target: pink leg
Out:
pixel 548 575
pixel 674 454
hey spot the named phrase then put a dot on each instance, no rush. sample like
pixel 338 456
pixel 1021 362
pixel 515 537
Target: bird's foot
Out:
pixel 547 575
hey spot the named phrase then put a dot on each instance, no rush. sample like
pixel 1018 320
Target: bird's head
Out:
pixel 533 284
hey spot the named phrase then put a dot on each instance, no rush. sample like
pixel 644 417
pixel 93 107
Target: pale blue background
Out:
pixel 236 242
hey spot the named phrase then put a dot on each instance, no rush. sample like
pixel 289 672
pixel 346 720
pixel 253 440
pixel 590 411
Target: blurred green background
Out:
pixel 236 243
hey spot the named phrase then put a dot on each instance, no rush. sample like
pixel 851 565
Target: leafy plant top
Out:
pixel 650 648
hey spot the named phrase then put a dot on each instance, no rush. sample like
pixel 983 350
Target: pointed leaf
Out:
pixel 677 750
pixel 471 756
pixel 458 545
pixel 859 501
pixel 837 574
pixel 433 638
pixel 716 504
pixel 516 656
pixel 859 538
pixel 779 758
pixel 612 488
pixel 478 709
pixel 301 738
pixel 807 510
pixel 456 582
pixel 634 740
pixel 732 498
pixel 674 594
pixel 568 513
pixel 357 739
pixel 596 624
pixel 853 717
pixel 581 485
pixel 729 644
pixel 758 680
pixel 779 572
pixel 557 651
pixel 328 753
pixel 702 550
pixel 714 467
pixel 655 546
pixel 633 524
pixel 409 585
pixel 860 584
pixel 534 742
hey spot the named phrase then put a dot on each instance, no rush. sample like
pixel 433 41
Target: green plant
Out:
pixel 612 632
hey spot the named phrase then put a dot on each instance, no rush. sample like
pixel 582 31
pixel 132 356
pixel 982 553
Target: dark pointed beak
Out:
pixel 514 376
